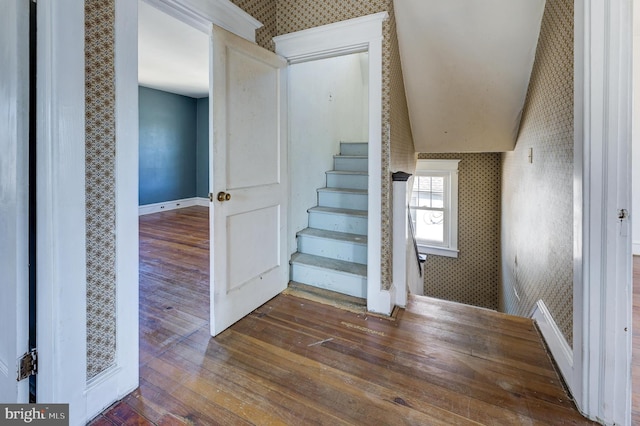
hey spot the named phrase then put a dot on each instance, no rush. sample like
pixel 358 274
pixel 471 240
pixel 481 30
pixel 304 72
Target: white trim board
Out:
pixel 340 38
pixel 350 36
pixel 172 205
pixel 200 14
pixel 636 248
pixel 61 215
pixel 603 289
pixel 558 346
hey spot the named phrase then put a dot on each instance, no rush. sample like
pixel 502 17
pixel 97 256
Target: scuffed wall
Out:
pixel 472 278
pixel 100 184
pixel 537 197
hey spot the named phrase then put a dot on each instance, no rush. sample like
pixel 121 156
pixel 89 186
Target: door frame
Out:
pixel 603 288
pixel 61 239
pixel 363 34
pixel 14 192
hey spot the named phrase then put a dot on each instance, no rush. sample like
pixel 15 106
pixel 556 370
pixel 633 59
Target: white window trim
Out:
pixel 451 168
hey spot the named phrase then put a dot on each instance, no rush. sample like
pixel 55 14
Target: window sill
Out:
pixel 438 251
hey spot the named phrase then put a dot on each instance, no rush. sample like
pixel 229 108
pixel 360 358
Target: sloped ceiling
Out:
pixel 466 66
pixel 172 56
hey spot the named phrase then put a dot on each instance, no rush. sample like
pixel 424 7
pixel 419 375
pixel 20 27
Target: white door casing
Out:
pixel 249 164
pixel 602 249
pixel 14 197
pixel 362 34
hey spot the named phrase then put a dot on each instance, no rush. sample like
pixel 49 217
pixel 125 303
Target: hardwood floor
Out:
pixel 635 362
pixel 297 361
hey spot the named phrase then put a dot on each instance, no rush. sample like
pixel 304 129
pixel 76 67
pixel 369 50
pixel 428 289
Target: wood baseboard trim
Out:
pixel 560 350
pixel 172 205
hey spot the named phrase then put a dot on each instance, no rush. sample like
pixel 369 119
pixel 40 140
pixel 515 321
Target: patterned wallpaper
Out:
pixel 537 197
pixel 100 184
pixel 398 150
pixel 472 278
pixel 265 12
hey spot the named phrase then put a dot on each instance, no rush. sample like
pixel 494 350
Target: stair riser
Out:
pixel 343 200
pixel 333 249
pixel 338 223
pixel 347 181
pixel 351 164
pixel 352 285
pixel 347 148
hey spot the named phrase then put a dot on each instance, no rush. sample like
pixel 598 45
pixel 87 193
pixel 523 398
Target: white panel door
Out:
pixel 249 262
pixel 14 189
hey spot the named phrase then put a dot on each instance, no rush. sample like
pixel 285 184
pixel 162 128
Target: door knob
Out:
pixel 223 196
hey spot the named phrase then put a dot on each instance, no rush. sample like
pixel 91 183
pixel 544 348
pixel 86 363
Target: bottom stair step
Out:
pixel 331 274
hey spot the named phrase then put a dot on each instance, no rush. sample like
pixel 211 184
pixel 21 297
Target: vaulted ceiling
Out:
pixel 466 67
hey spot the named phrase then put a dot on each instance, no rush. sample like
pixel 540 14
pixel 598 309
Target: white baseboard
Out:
pixel 105 389
pixel 172 205
pixel 560 349
pixel 202 201
pixel 636 248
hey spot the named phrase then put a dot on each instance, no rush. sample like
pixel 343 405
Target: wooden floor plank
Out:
pixel 300 362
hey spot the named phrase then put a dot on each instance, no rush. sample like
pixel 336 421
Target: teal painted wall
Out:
pixel 169 146
pixel 202 148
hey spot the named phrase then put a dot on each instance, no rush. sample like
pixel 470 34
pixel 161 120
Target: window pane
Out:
pixel 428 191
pixel 437 192
pixel 429 225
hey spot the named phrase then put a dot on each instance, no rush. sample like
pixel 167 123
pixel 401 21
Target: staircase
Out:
pixel 332 251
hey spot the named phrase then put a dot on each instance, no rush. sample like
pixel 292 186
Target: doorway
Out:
pixel 173 72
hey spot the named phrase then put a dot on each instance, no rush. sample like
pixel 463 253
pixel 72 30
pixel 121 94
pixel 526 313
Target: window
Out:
pixel 434 206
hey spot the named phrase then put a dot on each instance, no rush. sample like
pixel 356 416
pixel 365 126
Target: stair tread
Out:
pixel 334 235
pixel 347 172
pixel 326 263
pixel 335 210
pixel 344 190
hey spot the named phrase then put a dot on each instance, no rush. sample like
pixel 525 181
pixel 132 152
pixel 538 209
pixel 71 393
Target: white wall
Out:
pixel 328 104
pixel 635 161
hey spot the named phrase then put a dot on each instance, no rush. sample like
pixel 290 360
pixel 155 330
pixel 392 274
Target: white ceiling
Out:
pixel 172 56
pixel 466 67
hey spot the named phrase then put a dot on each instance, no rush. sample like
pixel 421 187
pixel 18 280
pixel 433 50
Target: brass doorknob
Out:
pixel 223 196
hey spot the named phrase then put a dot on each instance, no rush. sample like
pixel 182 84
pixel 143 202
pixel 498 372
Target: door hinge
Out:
pixel 28 364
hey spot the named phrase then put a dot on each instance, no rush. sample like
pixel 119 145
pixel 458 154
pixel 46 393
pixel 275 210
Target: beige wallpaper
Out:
pixel 100 184
pixel 537 197
pixel 472 278
pixel 398 150
pixel 265 12
pixel 403 155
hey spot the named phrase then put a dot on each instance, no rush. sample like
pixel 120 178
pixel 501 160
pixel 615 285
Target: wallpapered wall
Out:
pixel 286 16
pixel 537 198
pixel 100 184
pixel 472 278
